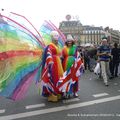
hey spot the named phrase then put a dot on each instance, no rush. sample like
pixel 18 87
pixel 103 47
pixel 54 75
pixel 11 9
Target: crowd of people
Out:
pixel 61 69
pixel 107 56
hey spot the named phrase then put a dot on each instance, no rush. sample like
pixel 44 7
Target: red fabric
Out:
pixel 9 54
pixel 53 56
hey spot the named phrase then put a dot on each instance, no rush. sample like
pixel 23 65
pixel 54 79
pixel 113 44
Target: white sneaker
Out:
pixel 106 84
pixel 75 95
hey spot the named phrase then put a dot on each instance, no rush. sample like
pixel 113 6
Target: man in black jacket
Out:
pixel 115 60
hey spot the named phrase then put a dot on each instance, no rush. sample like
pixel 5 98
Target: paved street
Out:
pixel 95 102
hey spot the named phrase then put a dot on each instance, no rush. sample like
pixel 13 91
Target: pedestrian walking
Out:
pixel 115 60
pixel 104 58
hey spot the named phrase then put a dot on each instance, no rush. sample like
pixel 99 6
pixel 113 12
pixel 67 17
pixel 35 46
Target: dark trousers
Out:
pixel 111 67
pixel 114 71
pixel 87 63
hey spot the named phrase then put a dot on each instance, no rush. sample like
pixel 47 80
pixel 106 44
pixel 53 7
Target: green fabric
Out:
pixel 70 61
pixel 71 57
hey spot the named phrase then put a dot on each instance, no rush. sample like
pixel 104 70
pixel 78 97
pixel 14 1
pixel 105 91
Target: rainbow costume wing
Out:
pixel 20 57
pixel 45 31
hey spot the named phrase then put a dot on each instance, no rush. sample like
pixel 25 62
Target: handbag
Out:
pixel 97 69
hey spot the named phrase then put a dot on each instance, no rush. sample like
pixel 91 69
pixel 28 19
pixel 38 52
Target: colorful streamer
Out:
pixel 21 49
pixel 20 58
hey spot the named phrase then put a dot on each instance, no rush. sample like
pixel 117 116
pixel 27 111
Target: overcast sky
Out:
pixel 91 12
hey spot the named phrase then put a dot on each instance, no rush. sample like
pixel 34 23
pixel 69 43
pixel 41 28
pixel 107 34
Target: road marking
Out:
pixel 2 111
pixel 57 109
pixel 100 95
pixel 71 100
pixel 35 106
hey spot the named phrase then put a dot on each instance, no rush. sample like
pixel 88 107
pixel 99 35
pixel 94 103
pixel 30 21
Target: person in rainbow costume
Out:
pixel 72 65
pixel 26 54
pixel 51 69
pixel 21 51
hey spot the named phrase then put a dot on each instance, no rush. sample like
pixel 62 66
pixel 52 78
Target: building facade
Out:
pixel 83 33
pixel 114 35
pixel 88 34
pixel 92 35
pixel 74 28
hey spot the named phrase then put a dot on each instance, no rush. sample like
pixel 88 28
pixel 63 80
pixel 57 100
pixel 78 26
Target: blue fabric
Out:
pixel 104 49
pixel 8 91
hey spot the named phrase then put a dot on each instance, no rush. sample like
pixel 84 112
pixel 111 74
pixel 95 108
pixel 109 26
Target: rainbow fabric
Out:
pixel 45 31
pixel 50 74
pixel 20 53
pixel 69 54
pixel 21 49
